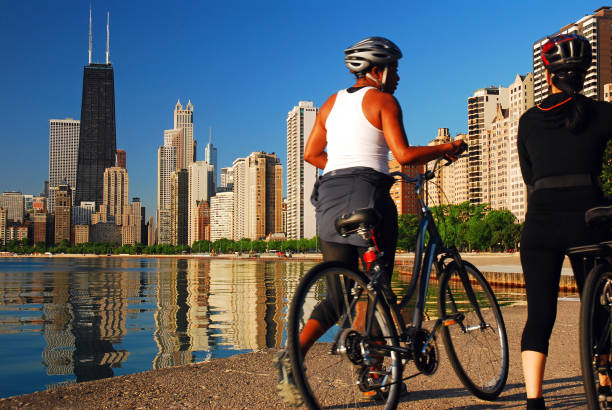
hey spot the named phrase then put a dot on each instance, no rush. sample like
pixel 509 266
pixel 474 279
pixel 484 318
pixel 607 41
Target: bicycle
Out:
pixel 368 347
pixel 595 310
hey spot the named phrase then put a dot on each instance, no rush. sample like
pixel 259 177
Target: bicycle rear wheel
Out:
pixel 474 333
pixel 347 360
pixel 595 311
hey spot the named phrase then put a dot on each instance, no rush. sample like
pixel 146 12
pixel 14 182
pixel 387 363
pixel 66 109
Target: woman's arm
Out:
pixel 314 152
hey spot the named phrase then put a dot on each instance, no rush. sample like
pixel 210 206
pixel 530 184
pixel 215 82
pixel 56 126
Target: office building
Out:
pixel 63 155
pixel 13 202
pixel 221 211
pixel 28 203
pixel 201 188
pixel 151 237
pixel 81 215
pixel 210 156
pixel 179 207
pixel 131 223
pixel 166 165
pixel 121 159
pixel 227 178
pixel 164 227
pixel 597 28
pixel 183 140
pixel 63 207
pixel 80 234
pixel 201 215
pixel 39 228
pixel 301 176
pixel 39 203
pixel 97 137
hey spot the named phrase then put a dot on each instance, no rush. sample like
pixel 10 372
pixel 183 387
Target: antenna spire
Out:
pixel 209 134
pixel 107 38
pixel 89 33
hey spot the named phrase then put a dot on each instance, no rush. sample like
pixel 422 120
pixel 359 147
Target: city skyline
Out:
pixel 256 65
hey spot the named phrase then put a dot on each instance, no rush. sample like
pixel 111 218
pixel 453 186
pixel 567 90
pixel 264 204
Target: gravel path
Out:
pixel 248 381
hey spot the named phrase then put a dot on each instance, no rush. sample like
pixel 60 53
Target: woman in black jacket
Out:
pixel 561 143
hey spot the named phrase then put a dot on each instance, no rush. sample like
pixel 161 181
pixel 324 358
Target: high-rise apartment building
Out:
pixel 402 193
pixel 221 211
pixel 131 223
pixel 166 165
pixel 608 92
pixel 482 108
pixel 116 193
pixel 63 154
pixel 151 237
pixel 239 214
pixel 438 191
pixel 63 206
pixel 301 176
pixel 179 207
pixel 3 223
pixel 13 202
pixel 201 215
pixel 164 226
pixel 201 188
pixel 597 28
pixel 227 178
pixel 39 227
pixel 183 120
pixel 495 150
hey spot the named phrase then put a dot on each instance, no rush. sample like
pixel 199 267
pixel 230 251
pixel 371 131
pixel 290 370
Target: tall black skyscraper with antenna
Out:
pixel 97 139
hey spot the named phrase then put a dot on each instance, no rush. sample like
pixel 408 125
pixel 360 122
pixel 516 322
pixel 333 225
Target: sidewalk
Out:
pixel 247 381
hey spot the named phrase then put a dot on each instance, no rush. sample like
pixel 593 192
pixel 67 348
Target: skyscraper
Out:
pixel 121 159
pixel 183 120
pixel 210 156
pixel 597 28
pixel 482 109
pixel 116 193
pixel 221 211
pixel 63 155
pixel 97 139
pixel 258 189
pixel 201 188
pixel 179 207
pixel 301 176
pixel 63 206
pixel 14 204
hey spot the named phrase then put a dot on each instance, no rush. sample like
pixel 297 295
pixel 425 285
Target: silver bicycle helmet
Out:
pixel 371 51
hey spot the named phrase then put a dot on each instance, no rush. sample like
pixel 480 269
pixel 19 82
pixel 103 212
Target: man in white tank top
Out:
pixel 350 142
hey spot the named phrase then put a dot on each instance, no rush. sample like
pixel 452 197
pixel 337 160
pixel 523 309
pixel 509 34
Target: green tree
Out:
pixel 606 172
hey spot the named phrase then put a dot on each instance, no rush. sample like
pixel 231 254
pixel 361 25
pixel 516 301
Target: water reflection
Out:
pixel 91 318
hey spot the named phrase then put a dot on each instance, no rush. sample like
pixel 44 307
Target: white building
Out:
pixel 201 188
pixel 227 178
pixel 597 28
pixel 221 210
pixel 239 225
pixel 63 155
pixel 301 176
pixel 183 120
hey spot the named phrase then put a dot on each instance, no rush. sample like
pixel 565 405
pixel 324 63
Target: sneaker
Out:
pixel 604 394
pixel 286 387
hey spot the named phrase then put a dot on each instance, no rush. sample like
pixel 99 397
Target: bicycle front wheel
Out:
pixel 348 363
pixel 595 311
pixel 474 333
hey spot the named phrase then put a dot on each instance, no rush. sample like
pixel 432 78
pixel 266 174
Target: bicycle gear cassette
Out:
pixel 426 362
pixel 349 345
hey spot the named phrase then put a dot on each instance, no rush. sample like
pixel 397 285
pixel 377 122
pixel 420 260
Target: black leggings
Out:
pixel 544 242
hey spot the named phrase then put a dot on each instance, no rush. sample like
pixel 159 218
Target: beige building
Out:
pixel 116 192
pixel 164 227
pixel 458 177
pixel 608 92
pixel 440 190
pixel 151 237
pixel 597 28
pixel 301 176
pixel 80 233
pixel 181 136
pixel 239 213
pixel 495 148
pixel 131 232
pixel 14 203
pixel 201 188
pixel 221 211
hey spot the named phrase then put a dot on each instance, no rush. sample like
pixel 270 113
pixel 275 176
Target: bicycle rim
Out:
pixel 477 350
pixel 334 371
pixel 595 335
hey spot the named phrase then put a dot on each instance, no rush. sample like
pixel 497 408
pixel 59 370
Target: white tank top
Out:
pixel 352 141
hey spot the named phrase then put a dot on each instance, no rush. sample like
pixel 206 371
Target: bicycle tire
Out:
pixel 326 377
pixel 479 357
pixel 596 291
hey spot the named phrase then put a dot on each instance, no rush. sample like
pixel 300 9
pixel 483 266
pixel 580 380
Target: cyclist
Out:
pixel 350 142
pixel 561 143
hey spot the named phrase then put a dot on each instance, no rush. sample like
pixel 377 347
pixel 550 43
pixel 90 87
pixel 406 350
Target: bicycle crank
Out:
pixel 426 361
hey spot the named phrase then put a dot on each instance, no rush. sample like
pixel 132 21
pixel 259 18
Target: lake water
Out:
pixel 66 320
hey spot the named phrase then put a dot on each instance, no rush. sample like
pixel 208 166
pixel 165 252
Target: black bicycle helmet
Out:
pixel 371 51
pixel 567 52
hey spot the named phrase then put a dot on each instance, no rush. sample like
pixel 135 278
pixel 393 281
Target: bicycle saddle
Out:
pixel 350 223
pixel 599 216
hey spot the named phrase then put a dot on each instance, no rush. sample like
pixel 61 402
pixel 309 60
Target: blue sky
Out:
pixel 244 65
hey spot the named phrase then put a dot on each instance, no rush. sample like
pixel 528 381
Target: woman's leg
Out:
pixel 542 270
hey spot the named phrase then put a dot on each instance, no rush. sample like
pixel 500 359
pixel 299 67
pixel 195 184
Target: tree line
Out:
pixel 466 226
